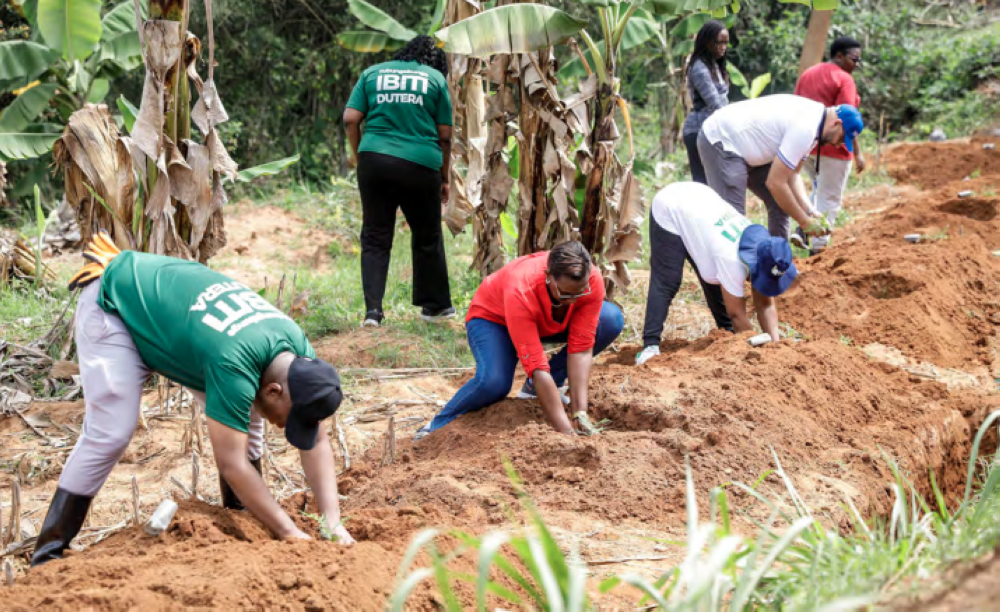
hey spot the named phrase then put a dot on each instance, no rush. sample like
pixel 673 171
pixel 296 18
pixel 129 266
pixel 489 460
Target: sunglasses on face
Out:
pixel 568 296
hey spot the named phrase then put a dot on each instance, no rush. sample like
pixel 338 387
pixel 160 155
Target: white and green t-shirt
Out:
pixel 403 103
pixel 710 229
pixel 200 328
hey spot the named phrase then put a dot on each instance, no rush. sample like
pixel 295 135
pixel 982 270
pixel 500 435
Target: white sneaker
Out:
pixel 647 353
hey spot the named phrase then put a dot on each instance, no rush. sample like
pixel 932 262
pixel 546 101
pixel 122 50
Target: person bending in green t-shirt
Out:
pixel 245 360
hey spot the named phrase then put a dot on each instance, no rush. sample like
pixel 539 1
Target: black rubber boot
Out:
pixel 63 521
pixel 229 499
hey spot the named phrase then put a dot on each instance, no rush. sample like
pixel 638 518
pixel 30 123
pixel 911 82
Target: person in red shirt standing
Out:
pixel 556 296
pixel 831 84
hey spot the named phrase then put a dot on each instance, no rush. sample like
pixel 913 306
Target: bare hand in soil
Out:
pixel 343 537
pixel 586 428
pixel 296 535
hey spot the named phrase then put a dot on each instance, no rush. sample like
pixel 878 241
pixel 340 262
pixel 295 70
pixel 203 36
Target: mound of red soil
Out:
pixel 936 300
pixel 829 412
pixel 825 408
pixel 210 559
pixel 930 165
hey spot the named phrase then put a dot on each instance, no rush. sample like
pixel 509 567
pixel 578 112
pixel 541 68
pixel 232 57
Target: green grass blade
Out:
pixel 643 585
pixel 748 583
pixel 407 585
pixel 421 540
pixel 974 457
pixel 488 549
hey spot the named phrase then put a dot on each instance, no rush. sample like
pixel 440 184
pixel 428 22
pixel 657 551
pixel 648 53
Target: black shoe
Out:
pixel 799 239
pixel 229 499
pixel 62 523
pixel 373 318
pixel 433 316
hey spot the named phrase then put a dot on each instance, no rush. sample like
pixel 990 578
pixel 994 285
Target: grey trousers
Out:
pixel 113 375
pixel 730 176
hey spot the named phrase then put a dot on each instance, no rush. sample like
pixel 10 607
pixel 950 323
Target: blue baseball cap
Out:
pixel 769 259
pixel 853 124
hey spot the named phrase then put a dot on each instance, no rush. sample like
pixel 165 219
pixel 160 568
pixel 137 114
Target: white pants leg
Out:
pixel 113 374
pixel 828 190
pixel 255 442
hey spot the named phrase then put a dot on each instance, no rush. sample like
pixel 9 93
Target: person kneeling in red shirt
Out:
pixel 545 297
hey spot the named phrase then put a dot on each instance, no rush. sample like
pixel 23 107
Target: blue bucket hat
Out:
pixel 769 259
pixel 853 124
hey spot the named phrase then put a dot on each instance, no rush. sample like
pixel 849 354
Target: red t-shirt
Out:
pixel 830 85
pixel 515 296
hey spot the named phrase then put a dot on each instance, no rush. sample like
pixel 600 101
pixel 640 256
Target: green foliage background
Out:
pixel 285 80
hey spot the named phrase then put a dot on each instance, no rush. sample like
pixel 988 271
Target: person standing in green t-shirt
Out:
pixel 244 360
pixel 403 160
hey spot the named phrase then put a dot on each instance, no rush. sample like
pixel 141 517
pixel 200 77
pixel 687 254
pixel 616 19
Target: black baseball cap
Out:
pixel 314 387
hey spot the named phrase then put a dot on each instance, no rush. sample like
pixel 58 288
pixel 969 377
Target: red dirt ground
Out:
pixel 826 408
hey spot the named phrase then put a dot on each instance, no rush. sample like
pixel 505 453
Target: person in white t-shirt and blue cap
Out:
pixel 690 222
pixel 761 145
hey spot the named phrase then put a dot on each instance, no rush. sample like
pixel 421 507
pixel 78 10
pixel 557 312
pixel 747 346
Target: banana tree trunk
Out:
pixel 178 210
pixel 604 137
pixel 815 42
pixel 177 115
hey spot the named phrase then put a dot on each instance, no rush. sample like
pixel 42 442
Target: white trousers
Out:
pixel 113 375
pixel 828 190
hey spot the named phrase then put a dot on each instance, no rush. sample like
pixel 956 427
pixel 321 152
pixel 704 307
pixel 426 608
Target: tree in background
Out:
pixel 69 59
pixel 578 133
pixel 158 189
pixel 389 34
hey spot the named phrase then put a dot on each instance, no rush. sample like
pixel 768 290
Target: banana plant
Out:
pixel 386 33
pixel 751 89
pixel 69 61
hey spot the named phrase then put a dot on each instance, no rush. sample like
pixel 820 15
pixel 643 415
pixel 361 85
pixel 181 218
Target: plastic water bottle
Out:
pixel 161 518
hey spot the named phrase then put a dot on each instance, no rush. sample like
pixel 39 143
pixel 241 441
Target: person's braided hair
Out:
pixel 569 259
pixel 424 50
pixel 706 36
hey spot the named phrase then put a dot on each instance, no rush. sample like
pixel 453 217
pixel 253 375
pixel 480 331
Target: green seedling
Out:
pixel 325 531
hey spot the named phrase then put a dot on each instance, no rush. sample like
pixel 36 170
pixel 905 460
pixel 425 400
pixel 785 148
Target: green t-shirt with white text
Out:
pixel 200 328
pixel 403 103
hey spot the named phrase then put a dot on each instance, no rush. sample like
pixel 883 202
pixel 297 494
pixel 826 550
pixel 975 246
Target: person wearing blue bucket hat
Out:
pixel 690 222
pixel 761 144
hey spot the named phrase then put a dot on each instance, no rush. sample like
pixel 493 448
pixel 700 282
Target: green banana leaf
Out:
pixel 639 29
pixel 72 27
pixel 120 20
pixel 99 89
pixel 377 19
pixel 23 60
pixel 22 145
pixel 368 42
pixel 816 5
pixel 123 49
pixel 26 107
pixel 268 169
pixel 690 25
pixel 438 17
pixel 516 28
pixel 129 112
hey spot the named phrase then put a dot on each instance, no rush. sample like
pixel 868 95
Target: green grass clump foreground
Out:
pixel 794 563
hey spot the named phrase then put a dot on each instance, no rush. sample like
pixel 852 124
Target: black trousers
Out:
pixel 694 159
pixel 666 271
pixel 387 183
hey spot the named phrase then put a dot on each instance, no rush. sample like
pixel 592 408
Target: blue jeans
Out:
pixel 496 360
